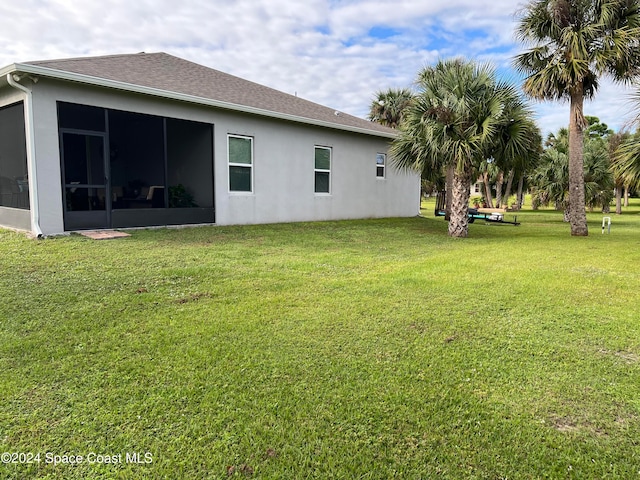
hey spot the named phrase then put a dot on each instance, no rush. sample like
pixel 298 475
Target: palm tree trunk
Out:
pixel 619 200
pixel 520 199
pixel 577 213
pixel 459 221
pixel 488 198
pixel 449 193
pixel 499 184
pixel 626 195
pixel 507 192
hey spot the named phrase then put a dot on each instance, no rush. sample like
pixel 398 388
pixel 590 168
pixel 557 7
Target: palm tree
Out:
pixel 616 141
pixel 388 107
pixel 598 178
pixel 509 160
pixel 521 165
pixel 550 180
pixel 626 161
pixel 573 43
pixel 488 173
pixel 458 119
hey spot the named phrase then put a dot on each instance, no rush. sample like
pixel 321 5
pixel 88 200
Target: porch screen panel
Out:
pixel 189 164
pixel 137 160
pixel 83 157
pixel 14 181
pixel 81 117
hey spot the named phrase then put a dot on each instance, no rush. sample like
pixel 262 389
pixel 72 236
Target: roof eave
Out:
pixel 130 87
pixel 6 70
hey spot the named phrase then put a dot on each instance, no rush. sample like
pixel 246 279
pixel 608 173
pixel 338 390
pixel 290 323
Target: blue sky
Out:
pixel 334 52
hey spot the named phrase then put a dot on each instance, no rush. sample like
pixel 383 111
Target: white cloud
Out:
pixel 319 49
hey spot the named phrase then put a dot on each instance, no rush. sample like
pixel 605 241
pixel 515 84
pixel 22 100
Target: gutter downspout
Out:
pixel 13 80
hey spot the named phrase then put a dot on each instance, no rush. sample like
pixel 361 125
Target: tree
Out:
pixel 388 107
pixel 595 128
pixel 460 116
pixel 598 178
pixel 488 172
pixel 626 161
pixel 550 180
pixel 522 164
pixel 615 142
pixel 573 43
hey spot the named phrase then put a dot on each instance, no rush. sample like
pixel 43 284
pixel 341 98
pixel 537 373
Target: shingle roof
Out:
pixel 165 75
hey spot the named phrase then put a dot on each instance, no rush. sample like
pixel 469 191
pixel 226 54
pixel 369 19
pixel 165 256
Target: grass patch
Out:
pixel 369 349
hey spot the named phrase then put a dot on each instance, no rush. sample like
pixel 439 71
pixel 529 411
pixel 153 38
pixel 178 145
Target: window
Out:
pixel 381 161
pixel 240 163
pixel 322 170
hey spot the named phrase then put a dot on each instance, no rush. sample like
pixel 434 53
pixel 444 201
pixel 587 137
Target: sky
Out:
pixel 338 53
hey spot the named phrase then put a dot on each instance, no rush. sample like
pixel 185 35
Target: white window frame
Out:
pixel 243 165
pixel 382 165
pixel 322 170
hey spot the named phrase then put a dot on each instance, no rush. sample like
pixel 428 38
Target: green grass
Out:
pixel 370 349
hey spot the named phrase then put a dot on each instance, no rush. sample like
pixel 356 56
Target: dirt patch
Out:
pixel 629 358
pixel 565 425
pixel 194 297
pixel 571 425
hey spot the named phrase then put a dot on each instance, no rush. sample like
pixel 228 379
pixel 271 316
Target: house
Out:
pixel 151 139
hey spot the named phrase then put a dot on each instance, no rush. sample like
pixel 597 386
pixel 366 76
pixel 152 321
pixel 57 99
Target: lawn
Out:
pixel 371 349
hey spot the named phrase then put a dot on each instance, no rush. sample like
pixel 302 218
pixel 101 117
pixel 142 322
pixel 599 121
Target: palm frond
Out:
pixel 388 106
pixel 573 42
pixel 626 162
